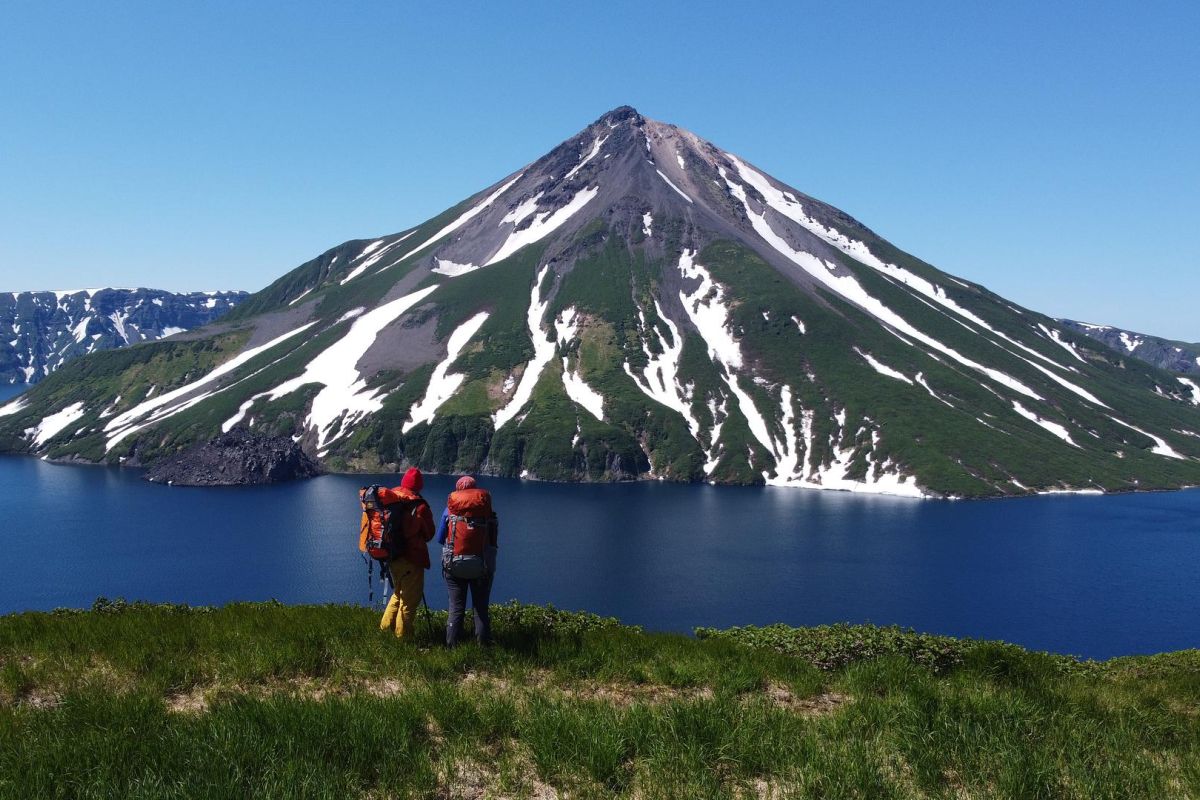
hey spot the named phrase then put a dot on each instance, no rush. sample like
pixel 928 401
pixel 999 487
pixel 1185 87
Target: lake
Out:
pixel 1091 576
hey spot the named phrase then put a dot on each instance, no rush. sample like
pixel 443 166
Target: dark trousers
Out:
pixel 481 590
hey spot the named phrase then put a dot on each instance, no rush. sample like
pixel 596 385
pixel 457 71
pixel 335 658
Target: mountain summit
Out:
pixel 640 303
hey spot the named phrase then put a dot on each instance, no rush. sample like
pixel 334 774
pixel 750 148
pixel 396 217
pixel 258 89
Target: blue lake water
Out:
pixel 1092 576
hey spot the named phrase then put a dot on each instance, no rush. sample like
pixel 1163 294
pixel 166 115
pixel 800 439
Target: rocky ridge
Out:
pixel 1163 353
pixel 41 331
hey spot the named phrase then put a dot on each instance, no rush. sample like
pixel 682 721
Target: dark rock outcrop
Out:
pixel 240 457
pixel 1162 353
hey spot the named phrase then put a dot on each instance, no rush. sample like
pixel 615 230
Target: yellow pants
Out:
pixel 408 584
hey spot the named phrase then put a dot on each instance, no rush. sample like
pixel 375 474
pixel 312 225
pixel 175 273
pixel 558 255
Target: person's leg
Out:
pixel 410 586
pixel 392 610
pixel 481 591
pixel 457 605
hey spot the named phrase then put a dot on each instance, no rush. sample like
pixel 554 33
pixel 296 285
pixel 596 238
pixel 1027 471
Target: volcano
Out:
pixel 639 303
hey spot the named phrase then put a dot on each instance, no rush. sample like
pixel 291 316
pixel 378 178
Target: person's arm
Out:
pixel 444 526
pixel 425 522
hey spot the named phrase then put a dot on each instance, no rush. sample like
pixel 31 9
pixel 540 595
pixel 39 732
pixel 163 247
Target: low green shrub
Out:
pixel 830 647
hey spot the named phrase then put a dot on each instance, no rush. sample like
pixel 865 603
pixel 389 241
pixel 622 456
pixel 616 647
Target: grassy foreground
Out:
pixel 267 700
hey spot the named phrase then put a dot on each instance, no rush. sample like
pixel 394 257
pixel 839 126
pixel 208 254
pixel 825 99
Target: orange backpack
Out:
pixel 381 530
pixel 472 527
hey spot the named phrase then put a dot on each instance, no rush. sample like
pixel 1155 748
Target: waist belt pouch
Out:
pixel 466 568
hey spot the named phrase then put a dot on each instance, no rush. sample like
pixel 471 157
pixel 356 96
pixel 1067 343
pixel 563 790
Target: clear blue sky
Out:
pixel 1048 150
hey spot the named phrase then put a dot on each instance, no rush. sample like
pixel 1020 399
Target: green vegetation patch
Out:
pixel 267 700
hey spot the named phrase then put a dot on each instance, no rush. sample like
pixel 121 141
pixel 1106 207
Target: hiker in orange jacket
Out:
pixel 408 569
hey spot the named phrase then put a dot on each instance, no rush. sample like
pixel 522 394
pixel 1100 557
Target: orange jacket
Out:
pixel 416 527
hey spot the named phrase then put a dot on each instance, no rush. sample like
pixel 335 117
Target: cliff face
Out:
pixel 236 458
pixel 41 331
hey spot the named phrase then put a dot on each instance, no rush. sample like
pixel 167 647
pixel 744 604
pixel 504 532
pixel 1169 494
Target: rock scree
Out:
pixel 237 458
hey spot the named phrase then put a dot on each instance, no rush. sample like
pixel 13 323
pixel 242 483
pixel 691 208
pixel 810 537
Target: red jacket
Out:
pixel 416 526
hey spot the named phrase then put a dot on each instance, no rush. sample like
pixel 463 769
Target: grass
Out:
pixel 266 700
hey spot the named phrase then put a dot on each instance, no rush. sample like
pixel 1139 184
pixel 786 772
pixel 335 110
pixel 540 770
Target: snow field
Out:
pixel 1130 343
pixel 1190 384
pixel 443 384
pixel 521 211
pixel 786 205
pixel 463 219
pixel 1058 430
pixel 1160 445
pixel 581 393
pixel 543 351
pixel 883 369
pixel 849 288
pixel 596 145
pixel 366 263
pixel 566 329
pixel 344 396
pixel 543 225
pixel 13 407
pixel 451 269
pixel 920 379
pixel 152 410
pixel 672 185
pixel 660 379
pixel 54 424
pixel 302 295
pixel 1056 337
pixel 707 308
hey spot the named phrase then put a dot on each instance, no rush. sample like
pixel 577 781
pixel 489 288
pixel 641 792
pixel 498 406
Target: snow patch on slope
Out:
pixel 463 219
pixel 581 393
pixel 883 369
pixel 1056 337
pixel 149 411
pixel 1160 445
pixel 672 185
pixel 848 287
pixel 1193 387
pixel 1058 430
pixel 786 204
pixel 443 384
pixel 660 379
pixel 543 351
pixel 13 407
pixel 451 269
pixel 596 145
pixel 707 307
pixel 344 396
pixel 53 424
pixel 566 328
pixel 543 225
pixel 373 260
pixel 1130 343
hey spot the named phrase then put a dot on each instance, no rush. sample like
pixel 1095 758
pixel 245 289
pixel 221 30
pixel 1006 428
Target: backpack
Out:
pixel 472 527
pixel 381 532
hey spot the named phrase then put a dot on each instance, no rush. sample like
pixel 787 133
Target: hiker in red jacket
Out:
pixel 408 568
pixel 468 534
